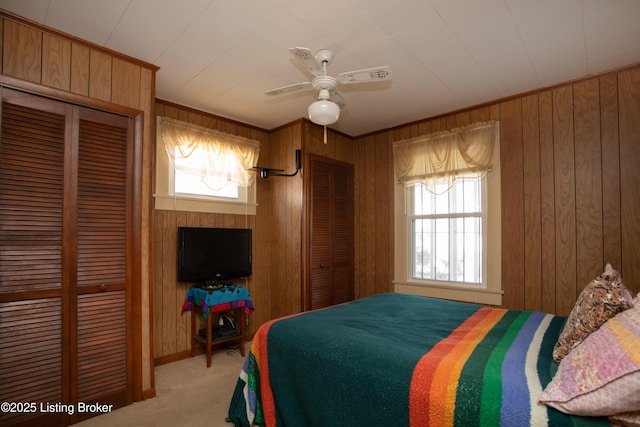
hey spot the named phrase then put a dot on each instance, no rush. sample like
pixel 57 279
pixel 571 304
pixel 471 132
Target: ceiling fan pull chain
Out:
pixel 325 135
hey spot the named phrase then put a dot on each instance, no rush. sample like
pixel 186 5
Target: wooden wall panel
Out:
pixel 56 56
pixel 532 203
pixel 261 289
pixel 126 83
pixel 285 224
pixel 373 212
pixel 100 78
pixel 79 69
pixel 511 165
pixel 22 51
pixel 565 205
pixel 547 203
pixel 2 44
pixel 157 288
pixel 629 119
pixel 383 256
pixel 360 185
pixel 611 227
pixel 370 221
pixel 588 185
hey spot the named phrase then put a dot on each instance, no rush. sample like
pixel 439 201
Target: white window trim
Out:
pixel 166 198
pixel 491 292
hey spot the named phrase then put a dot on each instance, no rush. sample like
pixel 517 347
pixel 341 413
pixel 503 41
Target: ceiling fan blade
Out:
pixel 307 58
pixel 287 89
pixel 366 75
pixel 336 97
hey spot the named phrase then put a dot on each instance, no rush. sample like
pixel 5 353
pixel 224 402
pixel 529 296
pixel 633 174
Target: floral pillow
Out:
pixel 599 301
pixel 601 376
pixel 630 419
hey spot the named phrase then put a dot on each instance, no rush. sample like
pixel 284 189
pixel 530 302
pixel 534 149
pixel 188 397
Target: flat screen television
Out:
pixel 213 255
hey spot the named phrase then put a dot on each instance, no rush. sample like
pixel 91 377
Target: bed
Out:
pixel 401 360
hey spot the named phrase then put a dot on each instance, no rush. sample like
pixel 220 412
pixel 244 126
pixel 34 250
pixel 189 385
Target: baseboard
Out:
pixel 170 358
pixel 174 357
pixel 148 394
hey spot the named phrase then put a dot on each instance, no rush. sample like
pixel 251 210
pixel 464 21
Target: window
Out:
pixel 189 183
pixel 204 170
pixel 446 232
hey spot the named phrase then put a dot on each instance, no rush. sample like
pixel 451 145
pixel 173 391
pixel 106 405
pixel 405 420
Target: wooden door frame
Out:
pixel 134 292
pixel 307 215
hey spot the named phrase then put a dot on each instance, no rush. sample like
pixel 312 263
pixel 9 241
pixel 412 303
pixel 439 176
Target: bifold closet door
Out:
pixel 331 235
pixel 34 298
pixel 65 195
pixel 101 358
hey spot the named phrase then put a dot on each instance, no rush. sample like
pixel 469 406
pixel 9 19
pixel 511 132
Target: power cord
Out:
pixel 236 349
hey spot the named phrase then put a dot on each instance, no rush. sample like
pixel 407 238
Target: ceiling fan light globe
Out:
pixel 324 112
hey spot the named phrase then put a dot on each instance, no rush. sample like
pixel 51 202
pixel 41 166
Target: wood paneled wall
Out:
pixel 45 61
pixel 374 216
pixel 171 327
pixel 569 165
pixel 284 219
pixel 570 170
pixel 279 273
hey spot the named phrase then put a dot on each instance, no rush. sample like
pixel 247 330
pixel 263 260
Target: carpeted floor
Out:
pixel 187 394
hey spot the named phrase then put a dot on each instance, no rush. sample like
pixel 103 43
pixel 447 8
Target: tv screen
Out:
pixel 213 255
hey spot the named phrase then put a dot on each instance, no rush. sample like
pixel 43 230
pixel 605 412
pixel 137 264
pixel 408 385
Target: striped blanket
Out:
pixel 400 360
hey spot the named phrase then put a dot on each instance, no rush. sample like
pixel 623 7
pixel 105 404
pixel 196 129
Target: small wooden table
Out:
pixel 209 301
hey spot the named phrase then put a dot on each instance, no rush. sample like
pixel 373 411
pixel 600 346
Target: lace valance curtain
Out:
pixel 437 160
pixel 216 157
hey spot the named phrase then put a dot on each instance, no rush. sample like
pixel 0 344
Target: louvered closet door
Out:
pixel 65 191
pixel 33 289
pixel 102 202
pixel 331 247
pixel 342 236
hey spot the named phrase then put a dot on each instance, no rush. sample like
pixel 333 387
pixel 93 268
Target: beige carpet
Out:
pixel 187 394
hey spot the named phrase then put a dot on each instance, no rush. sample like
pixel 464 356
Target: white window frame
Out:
pixel 166 198
pixel 481 215
pixel 490 292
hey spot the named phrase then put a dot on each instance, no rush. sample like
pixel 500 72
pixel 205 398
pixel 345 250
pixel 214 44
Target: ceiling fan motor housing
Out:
pixel 324 82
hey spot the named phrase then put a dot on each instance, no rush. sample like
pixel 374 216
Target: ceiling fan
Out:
pixel 326 110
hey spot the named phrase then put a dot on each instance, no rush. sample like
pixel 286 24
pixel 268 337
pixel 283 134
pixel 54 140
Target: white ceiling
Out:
pixel 221 56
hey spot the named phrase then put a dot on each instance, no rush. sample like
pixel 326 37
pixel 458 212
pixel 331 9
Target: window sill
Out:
pixel 470 294
pixel 194 204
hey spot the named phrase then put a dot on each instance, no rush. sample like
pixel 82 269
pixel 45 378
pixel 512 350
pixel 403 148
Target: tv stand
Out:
pixel 209 340
pixel 217 301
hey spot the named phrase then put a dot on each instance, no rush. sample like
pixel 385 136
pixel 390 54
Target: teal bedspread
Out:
pixel 400 360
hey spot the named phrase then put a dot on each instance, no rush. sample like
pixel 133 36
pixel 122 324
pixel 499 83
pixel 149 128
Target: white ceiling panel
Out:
pixel 92 20
pixel 220 56
pixel 158 31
